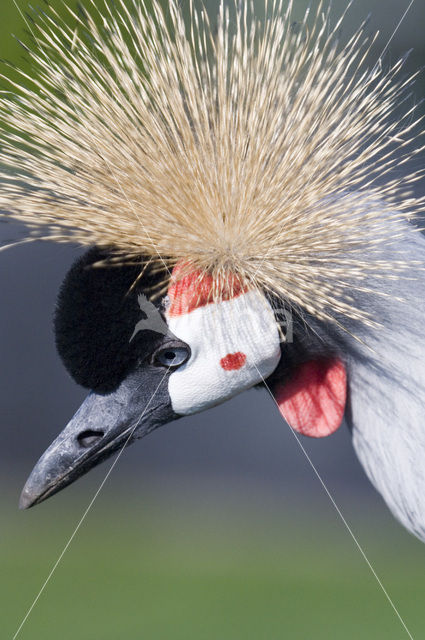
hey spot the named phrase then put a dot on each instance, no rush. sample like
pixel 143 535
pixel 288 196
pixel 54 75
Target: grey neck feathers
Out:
pixel 386 410
pixel 386 377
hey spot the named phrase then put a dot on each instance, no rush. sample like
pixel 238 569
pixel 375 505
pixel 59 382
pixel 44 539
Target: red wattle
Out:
pixel 313 401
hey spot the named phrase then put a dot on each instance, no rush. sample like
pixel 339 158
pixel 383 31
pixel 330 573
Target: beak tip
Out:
pixel 28 498
pixel 25 501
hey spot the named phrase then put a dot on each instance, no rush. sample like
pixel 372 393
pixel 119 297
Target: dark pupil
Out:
pixel 169 355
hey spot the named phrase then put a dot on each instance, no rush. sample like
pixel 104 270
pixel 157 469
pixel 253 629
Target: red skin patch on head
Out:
pixel 233 361
pixel 313 401
pixel 191 289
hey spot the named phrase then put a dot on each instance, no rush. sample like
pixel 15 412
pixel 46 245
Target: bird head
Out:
pixel 261 164
pixel 147 364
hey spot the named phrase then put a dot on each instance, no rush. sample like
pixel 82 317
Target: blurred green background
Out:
pixel 171 562
pixel 216 526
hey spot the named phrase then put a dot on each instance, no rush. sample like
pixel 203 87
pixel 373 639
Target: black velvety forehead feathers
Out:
pixel 96 313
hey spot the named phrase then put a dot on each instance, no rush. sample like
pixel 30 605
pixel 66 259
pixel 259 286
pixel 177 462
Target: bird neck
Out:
pixel 387 393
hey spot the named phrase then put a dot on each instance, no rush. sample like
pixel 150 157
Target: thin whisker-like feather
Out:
pixel 252 148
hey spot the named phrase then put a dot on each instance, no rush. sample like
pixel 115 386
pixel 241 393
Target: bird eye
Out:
pixel 172 356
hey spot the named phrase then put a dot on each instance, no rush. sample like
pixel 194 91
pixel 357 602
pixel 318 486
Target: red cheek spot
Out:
pixel 233 361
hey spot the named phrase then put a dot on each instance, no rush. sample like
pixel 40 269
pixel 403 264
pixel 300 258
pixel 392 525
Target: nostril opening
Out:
pixel 89 437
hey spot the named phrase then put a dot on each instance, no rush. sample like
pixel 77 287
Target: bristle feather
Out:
pixel 257 151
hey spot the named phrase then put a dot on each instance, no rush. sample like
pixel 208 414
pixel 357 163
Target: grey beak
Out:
pixel 102 425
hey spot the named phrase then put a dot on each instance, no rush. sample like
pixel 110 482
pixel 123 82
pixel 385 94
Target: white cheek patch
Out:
pixel 234 343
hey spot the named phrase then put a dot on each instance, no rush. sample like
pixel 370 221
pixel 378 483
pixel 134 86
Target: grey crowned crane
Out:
pixel 236 187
